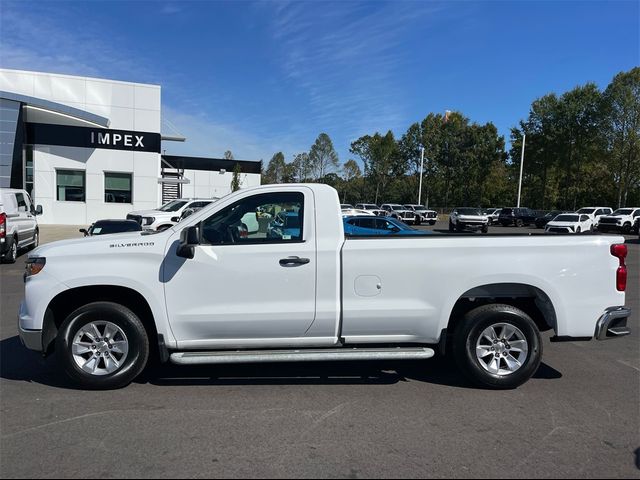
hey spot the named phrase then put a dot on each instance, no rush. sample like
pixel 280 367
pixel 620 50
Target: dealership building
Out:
pixel 88 149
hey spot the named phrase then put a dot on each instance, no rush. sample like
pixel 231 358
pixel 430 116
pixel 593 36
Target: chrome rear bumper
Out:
pixel 613 323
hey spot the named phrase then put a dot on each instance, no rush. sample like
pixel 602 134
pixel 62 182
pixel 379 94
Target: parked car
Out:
pixel 345 206
pixel 542 221
pixel 354 212
pixel 517 216
pixel 570 223
pixel 636 226
pixel 162 218
pixel 423 214
pixel 595 213
pixel 107 227
pixel 18 223
pixel 399 212
pixel 468 219
pixel 199 294
pixel 372 207
pixel 367 225
pixel 493 214
pixel 621 220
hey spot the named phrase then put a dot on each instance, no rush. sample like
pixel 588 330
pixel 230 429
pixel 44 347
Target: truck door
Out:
pixel 243 283
pixel 25 220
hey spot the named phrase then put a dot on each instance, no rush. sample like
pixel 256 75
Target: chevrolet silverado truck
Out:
pixel 206 291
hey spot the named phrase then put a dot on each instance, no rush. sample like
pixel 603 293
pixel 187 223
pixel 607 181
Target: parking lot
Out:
pixel 578 416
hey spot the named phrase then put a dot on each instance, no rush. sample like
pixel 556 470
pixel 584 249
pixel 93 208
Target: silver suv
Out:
pixel 18 225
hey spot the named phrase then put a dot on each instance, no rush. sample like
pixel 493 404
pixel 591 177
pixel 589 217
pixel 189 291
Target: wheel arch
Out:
pixel 531 299
pixel 63 304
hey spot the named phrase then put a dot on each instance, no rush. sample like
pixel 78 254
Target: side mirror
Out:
pixel 39 210
pixel 189 239
pixel 84 230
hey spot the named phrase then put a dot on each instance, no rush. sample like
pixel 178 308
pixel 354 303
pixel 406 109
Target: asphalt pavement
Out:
pixel 578 417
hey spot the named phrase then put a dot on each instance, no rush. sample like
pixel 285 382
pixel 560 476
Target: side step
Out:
pixel 305 355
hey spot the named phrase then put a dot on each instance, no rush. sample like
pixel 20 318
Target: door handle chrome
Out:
pixel 294 261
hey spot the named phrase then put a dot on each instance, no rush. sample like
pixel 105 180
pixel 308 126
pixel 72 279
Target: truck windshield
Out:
pixel 172 206
pixel 397 207
pixel 566 218
pixel 623 211
pixel 587 211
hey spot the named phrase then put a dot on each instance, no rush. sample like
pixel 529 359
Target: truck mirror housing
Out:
pixel 39 210
pixel 189 239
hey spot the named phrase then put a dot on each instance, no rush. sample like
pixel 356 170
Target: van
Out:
pixel 18 225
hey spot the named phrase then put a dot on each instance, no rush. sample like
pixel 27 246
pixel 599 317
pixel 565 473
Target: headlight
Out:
pixel 148 221
pixel 34 266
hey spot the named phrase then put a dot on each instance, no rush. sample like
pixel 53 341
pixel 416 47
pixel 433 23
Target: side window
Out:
pixel 636 214
pixel 198 204
pixel 22 204
pixel 265 218
pixel 584 218
pixel 385 224
pixel 367 223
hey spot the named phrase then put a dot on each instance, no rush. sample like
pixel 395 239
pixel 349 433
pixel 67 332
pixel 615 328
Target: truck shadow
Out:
pixel 19 364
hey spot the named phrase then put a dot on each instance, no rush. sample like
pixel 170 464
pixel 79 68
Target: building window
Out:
pixel 28 170
pixel 117 187
pixel 71 185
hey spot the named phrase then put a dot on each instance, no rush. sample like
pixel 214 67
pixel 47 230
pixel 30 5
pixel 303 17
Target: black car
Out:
pixel 542 221
pixel 106 227
pixel 517 216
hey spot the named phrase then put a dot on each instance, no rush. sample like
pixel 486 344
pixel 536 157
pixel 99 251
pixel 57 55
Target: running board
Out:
pixel 310 355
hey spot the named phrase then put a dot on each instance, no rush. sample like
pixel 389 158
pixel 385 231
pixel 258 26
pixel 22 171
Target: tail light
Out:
pixel 3 225
pixel 620 252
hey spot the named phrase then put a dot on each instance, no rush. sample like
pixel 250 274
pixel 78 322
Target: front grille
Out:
pixel 558 230
pixel 135 218
pixel 431 215
pixel 611 221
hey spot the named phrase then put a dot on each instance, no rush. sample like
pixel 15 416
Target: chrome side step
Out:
pixel 303 355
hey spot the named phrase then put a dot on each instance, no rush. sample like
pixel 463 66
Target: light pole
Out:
pixel 524 139
pixel 421 173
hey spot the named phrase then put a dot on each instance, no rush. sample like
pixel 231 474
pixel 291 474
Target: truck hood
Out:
pixel 114 242
pixel 153 213
pixel 562 224
pixel 472 218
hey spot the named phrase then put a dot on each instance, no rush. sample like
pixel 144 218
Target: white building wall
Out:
pixel 128 106
pixel 204 184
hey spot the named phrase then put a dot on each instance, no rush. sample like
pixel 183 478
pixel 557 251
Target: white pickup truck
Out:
pixel 206 291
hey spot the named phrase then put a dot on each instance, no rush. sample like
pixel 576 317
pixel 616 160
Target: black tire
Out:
pixel 125 319
pixel 469 332
pixel 417 221
pixel 12 253
pixel 432 223
pixel 519 223
pixel 485 229
pixel 626 229
pixel 579 230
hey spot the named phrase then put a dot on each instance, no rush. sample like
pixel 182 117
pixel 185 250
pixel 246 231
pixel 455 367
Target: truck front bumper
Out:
pixel 32 339
pixel 613 323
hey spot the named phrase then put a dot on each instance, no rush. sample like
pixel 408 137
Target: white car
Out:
pixel 595 213
pixel 400 212
pixel 355 212
pixel 18 224
pixel 423 214
pixel 570 223
pixel 493 214
pixel 468 219
pixel 622 220
pixel 169 214
pixel 205 292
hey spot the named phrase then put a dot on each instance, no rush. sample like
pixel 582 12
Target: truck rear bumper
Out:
pixel 613 323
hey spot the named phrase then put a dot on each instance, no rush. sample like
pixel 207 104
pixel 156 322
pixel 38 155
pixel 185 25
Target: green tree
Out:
pixel 235 180
pixel 275 170
pixel 621 122
pixel 323 157
pixel 302 167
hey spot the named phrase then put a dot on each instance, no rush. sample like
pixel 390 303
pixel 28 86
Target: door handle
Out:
pixel 294 261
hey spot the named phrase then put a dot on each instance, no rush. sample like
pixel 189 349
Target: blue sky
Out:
pixel 260 77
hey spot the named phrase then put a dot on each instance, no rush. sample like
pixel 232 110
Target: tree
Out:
pixel 275 170
pixel 351 170
pixel 302 167
pixel 235 180
pixel 621 122
pixel 322 157
pixel 228 155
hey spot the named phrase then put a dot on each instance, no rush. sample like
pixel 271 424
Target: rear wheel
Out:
pixel 102 346
pixel 519 222
pixel 12 254
pixel 498 346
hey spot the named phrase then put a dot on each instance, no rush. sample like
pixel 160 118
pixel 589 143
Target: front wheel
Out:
pixel 485 229
pixel 102 346
pixel 12 254
pixel 498 346
pixel 626 229
pixel 519 223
